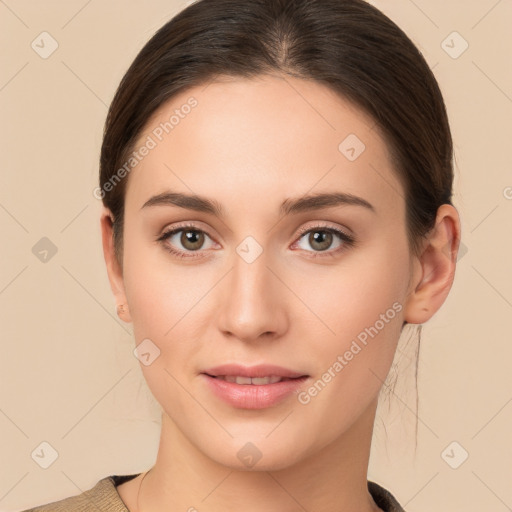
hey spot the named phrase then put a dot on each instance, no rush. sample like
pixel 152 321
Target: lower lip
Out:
pixel 251 396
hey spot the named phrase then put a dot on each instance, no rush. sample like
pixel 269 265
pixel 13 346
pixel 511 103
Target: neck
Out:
pixel 331 479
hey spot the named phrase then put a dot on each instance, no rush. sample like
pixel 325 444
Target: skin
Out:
pixel 250 144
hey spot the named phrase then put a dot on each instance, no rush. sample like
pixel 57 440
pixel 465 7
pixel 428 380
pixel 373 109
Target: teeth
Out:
pixel 257 381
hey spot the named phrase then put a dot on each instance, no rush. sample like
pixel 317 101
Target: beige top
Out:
pixel 103 497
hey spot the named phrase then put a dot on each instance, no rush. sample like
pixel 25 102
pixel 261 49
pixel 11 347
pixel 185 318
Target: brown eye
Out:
pixel 186 241
pixel 191 239
pixel 320 240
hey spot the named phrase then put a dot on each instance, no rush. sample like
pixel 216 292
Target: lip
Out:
pixel 251 396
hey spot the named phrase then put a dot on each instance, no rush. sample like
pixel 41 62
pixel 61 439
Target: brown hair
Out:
pixel 348 45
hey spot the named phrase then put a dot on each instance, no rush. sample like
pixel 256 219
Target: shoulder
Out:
pixel 103 497
pixel 384 499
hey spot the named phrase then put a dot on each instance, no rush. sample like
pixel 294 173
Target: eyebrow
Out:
pixel 289 206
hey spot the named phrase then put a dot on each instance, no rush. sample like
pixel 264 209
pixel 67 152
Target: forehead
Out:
pixel 259 138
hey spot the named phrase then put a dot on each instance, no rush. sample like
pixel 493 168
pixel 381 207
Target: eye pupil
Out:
pixel 324 238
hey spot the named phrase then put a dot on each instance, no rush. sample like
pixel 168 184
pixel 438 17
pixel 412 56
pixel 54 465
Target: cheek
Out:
pixel 364 311
pixel 162 298
pixel 358 318
pixel 159 291
pixel 351 296
pixel 170 305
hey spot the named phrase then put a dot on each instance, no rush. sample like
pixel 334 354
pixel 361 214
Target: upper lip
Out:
pixel 261 370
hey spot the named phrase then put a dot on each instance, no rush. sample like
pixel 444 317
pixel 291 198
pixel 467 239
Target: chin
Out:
pixel 255 455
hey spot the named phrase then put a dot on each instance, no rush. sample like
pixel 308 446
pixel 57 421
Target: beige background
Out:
pixel 68 374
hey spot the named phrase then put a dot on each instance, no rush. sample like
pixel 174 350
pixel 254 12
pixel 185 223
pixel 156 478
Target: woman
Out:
pixel 276 178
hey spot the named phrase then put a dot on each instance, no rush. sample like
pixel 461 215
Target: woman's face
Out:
pixel 269 281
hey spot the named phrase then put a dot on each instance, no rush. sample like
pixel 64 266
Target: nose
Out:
pixel 252 305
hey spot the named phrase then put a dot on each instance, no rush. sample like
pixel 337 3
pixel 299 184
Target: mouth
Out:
pixel 253 387
pixel 255 381
pixel 244 392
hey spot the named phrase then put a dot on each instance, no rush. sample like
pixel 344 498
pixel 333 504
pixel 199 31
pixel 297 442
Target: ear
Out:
pixel 434 270
pixel 114 270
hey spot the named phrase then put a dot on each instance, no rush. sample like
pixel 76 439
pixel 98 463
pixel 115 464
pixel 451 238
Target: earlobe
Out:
pixel 435 268
pixel 114 271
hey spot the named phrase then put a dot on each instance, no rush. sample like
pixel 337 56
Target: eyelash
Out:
pixel 348 240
